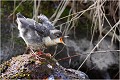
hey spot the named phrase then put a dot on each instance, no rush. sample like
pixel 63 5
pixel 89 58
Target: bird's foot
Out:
pixel 38 57
pixel 39 53
pixel 48 54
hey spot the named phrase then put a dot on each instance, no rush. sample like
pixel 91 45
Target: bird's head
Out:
pixel 59 40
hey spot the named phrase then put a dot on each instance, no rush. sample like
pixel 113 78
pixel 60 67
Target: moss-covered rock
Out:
pixel 28 66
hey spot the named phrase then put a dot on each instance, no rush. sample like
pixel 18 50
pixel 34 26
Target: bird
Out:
pixel 38 36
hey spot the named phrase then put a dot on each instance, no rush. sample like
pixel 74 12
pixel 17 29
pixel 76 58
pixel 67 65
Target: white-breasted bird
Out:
pixel 37 36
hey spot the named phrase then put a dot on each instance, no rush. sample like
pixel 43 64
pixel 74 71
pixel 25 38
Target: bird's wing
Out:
pixel 23 20
pixel 46 29
pixel 19 15
pixel 49 26
pixel 40 28
pixel 32 24
pixel 46 22
pixel 30 20
pixel 43 17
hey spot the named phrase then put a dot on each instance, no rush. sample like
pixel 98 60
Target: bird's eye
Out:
pixel 57 35
pixel 61 39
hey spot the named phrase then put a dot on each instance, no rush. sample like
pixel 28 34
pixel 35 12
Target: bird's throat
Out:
pixel 50 42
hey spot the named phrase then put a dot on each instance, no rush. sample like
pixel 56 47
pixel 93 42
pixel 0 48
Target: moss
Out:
pixel 65 12
pixel 4 66
pixel 32 60
pixel 25 67
pixel 21 75
pixel 18 41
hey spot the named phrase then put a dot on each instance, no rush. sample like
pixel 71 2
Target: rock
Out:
pixel 98 63
pixel 28 66
pixel 104 60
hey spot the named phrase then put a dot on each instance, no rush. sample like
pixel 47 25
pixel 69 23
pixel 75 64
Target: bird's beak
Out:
pixel 61 40
pixel 65 36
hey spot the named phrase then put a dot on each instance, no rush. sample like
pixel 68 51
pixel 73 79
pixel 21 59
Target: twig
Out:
pixel 60 12
pixel 55 50
pixel 56 10
pixel 116 74
pixel 16 9
pixel 85 53
pixel 59 51
pixel 82 12
pixel 72 14
pixel 35 10
pixel 110 25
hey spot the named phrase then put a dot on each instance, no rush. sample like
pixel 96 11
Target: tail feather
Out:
pixel 19 15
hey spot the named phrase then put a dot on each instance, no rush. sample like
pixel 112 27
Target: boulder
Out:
pixel 29 66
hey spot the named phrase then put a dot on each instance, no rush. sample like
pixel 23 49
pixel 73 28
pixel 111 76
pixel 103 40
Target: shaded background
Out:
pixel 85 22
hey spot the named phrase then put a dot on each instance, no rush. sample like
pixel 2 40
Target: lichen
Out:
pixel 4 66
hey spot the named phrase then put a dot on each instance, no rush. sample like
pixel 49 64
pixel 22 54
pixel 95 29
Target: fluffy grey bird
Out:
pixel 37 36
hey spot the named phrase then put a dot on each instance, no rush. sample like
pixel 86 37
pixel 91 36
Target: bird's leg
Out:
pixel 47 54
pixel 36 55
pixel 39 52
pixel 33 53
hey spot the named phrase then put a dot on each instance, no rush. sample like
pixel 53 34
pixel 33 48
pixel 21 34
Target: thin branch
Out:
pixel 74 18
pixel 85 53
pixel 56 11
pixel 59 51
pixel 60 12
pixel 35 10
pixel 82 12
pixel 110 25
pixel 116 74
pixel 56 47
pixel 16 8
